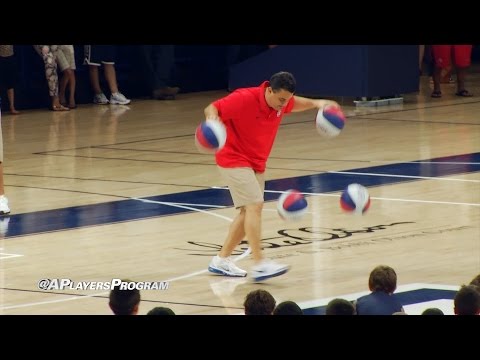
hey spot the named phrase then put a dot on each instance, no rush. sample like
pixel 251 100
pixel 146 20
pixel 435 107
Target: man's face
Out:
pixel 277 100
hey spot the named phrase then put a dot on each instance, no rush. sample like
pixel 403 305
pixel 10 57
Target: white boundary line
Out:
pixel 403 176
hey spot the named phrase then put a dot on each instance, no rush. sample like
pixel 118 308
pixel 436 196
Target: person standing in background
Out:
pixel 48 54
pixel 157 63
pixel 442 55
pixel 95 56
pixel 8 74
pixel 66 63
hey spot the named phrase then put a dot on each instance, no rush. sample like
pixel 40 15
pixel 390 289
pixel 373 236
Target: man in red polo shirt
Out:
pixel 252 117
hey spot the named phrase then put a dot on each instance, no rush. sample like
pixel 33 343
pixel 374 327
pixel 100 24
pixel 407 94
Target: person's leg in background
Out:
pixel 421 54
pixel 164 61
pixel 47 52
pixel 116 98
pixel 145 66
pixel 91 58
pixel 446 73
pixel 157 62
pixel 8 79
pixel 111 77
pixel 107 56
pixel 98 97
pixel 66 62
pixel 4 209
pixel 462 55
pixel 442 60
pixel 11 101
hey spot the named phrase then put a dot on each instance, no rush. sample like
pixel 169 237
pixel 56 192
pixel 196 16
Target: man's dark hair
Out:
pixel 283 80
pixel 467 300
pixel 432 311
pixel 159 310
pixel 259 302
pixel 383 278
pixel 476 281
pixel 288 308
pixel 123 302
pixel 340 307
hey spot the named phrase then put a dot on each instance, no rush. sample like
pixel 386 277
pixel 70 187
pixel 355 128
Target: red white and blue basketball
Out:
pixel 292 205
pixel 355 199
pixel 330 121
pixel 210 136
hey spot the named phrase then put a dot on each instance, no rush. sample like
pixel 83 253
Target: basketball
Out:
pixel 355 199
pixel 292 205
pixel 330 121
pixel 210 136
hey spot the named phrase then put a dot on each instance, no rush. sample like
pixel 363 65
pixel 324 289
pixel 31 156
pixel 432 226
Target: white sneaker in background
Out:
pixel 225 266
pixel 100 99
pixel 4 209
pixel 267 269
pixel 119 99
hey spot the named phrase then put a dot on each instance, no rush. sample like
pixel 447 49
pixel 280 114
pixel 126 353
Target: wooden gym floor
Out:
pixel 105 192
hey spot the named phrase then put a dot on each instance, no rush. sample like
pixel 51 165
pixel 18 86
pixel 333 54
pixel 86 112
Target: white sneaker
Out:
pixel 100 99
pixel 4 209
pixel 119 99
pixel 225 266
pixel 267 269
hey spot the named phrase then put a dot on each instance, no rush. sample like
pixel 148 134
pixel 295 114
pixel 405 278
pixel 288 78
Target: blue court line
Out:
pixel 128 210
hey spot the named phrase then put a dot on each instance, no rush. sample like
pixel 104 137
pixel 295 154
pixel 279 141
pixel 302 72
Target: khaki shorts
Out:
pixel 65 57
pixel 245 185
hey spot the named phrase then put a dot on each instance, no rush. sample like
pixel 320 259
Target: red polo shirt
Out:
pixel 251 127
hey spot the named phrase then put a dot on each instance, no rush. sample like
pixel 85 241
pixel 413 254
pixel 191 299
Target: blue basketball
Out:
pixel 292 205
pixel 210 136
pixel 355 199
pixel 330 121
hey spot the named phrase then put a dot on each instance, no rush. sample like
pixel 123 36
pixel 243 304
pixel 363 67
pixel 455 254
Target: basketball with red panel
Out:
pixel 210 136
pixel 330 121
pixel 292 205
pixel 355 199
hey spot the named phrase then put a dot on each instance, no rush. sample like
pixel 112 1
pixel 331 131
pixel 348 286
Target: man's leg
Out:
pixel 247 195
pixel 235 235
pixel 247 222
pixel 463 55
pixel 253 229
pixel 94 79
pixel 111 77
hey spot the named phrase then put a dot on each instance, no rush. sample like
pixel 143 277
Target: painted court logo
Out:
pixel 68 284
